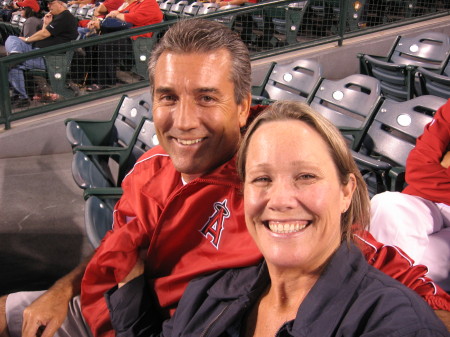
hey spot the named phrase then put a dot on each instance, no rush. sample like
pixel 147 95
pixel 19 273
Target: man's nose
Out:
pixel 185 115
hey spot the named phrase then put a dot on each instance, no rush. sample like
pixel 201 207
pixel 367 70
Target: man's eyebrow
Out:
pixel 163 90
pixel 207 90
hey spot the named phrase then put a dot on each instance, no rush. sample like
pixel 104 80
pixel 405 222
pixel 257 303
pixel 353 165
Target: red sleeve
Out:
pixel 112 261
pixel 144 13
pixel 425 176
pixel 395 263
pixel 112 5
pixel 117 253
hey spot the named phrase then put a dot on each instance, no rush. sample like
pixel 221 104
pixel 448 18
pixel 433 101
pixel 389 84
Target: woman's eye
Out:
pixel 261 180
pixel 306 176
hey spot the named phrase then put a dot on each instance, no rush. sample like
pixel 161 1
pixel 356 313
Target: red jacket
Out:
pixel 425 176
pixel 196 229
pixel 142 13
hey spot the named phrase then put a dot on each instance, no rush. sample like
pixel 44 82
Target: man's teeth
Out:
pixel 286 228
pixel 189 142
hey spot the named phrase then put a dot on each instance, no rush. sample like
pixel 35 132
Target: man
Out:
pixel 418 219
pixel 59 26
pixel 182 200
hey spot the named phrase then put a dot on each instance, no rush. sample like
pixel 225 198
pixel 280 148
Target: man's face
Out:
pixel 196 116
pixel 55 7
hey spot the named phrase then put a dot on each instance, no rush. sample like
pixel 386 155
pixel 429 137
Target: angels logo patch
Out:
pixel 214 226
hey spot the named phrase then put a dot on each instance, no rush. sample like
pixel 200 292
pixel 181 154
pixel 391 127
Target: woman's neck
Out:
pixel 279 303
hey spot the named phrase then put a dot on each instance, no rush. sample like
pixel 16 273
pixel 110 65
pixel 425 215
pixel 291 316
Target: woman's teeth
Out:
pixel 286 227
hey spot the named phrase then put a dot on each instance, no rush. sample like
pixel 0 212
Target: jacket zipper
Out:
pixel 210 326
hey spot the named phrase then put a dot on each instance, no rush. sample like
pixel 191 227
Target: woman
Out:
pixel 33 22
pixel 304 199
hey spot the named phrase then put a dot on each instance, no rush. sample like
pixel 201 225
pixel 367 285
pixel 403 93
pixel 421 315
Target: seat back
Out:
pixel 145 141
pixel 349 102
pixel 98 217
pixel 81 12
pixel 396 80
pixel 73 9
pixel 178 7
pixel 227 20
pixel 427 50
pixel 132 111
pixel 434 84
pixel 166 5
pixel 192 9
pixel 208 8
pixel 15 19
pixel 90 13
pixel 294 81
pixel 397 125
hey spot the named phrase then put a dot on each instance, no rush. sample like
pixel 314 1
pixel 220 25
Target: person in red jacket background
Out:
pixel 418 219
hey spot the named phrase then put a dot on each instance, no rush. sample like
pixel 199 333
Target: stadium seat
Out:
pixel 435 82
pixel 396 70
pixel 142 47
pixel 208 8
pixel 349 103
pixel 126 117
pixel 192 9
pixel 106 166
pixel 391 136
pixel 297 81
pixel 98 213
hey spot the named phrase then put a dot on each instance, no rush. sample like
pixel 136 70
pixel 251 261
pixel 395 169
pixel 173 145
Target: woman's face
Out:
pixel 293 197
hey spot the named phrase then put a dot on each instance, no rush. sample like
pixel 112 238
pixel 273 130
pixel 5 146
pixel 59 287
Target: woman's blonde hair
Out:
pixel 358 213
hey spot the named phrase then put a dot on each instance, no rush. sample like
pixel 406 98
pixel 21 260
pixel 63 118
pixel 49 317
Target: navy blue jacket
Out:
pixel 350 298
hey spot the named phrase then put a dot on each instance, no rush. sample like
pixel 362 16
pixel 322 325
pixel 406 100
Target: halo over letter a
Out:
pixel 214 226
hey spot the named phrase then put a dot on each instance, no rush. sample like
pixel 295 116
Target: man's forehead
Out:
pixel 200 71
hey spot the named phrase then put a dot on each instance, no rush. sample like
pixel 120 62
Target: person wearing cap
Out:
pixel 59 26
pixel 33 4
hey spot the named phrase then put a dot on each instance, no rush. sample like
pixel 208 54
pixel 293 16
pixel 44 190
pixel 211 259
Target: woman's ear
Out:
pixel 347 192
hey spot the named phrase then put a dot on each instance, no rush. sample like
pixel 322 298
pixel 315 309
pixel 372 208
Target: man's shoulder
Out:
pixel 152 160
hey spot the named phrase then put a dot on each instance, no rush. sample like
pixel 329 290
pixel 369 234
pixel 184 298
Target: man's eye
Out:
pixel 168 98
pixel 207 99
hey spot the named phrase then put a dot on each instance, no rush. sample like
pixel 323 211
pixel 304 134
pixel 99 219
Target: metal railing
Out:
pixel 268 28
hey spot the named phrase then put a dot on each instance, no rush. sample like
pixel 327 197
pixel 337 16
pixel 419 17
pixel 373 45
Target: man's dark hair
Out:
pixel 203 36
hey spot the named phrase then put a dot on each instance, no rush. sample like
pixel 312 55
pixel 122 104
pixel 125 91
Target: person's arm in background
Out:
pixel 427 165
pixel 50 309
pixel 40 34
pixel 143 13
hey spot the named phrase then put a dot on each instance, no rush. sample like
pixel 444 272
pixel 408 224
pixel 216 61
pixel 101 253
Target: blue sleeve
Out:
pixel 132 310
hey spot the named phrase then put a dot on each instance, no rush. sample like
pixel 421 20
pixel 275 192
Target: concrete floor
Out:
pixel 42 233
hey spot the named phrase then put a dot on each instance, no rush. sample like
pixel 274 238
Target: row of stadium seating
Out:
pixel 380 131
pixel 414 66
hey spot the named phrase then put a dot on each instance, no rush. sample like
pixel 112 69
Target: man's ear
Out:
pixel 244 109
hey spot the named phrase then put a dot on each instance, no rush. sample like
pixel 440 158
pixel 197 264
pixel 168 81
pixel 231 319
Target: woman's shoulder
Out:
pixel 394 307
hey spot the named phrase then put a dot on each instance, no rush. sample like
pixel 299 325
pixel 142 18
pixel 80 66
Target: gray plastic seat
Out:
pixel 98 216
pixel 433 83
pixel 349 103
pixel 390 138
pixel 296 81
pixel 192 9
pixel 126 117
pixel 94 167
pixel 396 71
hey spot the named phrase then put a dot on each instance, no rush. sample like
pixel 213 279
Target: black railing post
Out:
pixel 343 13
pixel 5 100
